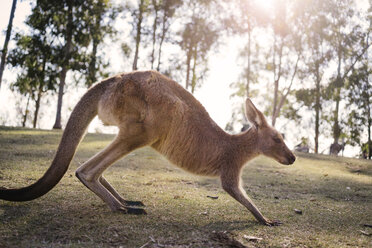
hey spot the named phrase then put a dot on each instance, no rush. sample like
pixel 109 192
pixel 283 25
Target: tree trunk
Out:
pixel 249 61
pixel 67 48
pixel 57 124
pixel 188 62
pixel 369 129
pixel 138 35
pixel 162 37
pixel 275 82
pixel 317 112
pixel 92 64
pixel 6 42
pixel 26 111
pixel 159 55
pixel 37 105
pixel 92 68
pixel 336 126
pixel 154 28
pixel 40 92
pixel 283 97
pixel 277 76
pixel 276 88
pixel 193 82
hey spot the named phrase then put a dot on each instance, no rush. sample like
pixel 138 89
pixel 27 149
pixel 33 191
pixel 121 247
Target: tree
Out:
pixel 24 119
pixel 164 11
pixel 198 36
pixel 34 55
pixel 347 36
pixel 71 23
pixel 156 7
pixel 7 38
pixel 246 18
pixel 359 96
pixel 138 15
pixel 286 53
pixel 168 11
pixel 67 32
pixel 100 23
pixel 75 29
pixel 318 56
pixel 197 39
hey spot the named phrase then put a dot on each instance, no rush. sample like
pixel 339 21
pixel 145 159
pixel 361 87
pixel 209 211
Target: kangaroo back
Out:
pixel 81 116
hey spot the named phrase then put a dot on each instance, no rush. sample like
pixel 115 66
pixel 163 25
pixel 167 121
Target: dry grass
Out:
pixel 334 195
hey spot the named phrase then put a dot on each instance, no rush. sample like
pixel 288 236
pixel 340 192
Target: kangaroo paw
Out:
pixel 273 223
pixel 134 203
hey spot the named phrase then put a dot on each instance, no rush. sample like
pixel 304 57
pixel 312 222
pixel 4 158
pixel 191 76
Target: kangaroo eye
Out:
pixel 277 140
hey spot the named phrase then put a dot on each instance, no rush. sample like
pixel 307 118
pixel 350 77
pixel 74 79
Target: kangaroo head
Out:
pixel 269 141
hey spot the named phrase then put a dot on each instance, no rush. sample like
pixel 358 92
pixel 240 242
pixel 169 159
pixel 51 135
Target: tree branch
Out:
pixel 357 58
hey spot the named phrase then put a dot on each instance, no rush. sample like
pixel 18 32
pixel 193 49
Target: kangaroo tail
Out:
pixel 81 116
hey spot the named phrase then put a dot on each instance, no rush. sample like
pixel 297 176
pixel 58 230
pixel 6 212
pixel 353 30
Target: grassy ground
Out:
pixel 334 195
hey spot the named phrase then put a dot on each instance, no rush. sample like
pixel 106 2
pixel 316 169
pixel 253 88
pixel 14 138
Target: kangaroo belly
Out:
pixel 188 159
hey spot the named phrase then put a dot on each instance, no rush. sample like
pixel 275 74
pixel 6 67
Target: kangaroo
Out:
pixel 152 110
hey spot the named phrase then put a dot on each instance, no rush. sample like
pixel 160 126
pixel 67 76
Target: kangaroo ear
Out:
pixel 254 116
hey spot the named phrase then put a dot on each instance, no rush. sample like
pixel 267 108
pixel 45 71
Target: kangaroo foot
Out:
pixel 130 210
pixel 273 223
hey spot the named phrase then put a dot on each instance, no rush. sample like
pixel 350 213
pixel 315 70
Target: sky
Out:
pixel 214 93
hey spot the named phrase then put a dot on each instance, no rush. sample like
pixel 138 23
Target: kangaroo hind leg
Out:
pixel 90 173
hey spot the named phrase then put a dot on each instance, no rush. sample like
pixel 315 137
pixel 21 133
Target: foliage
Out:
pixel 138 13
pixel 100 18
pixel 247 19
pixel 165 11
pixel 198 36
pixel 65 35
pixel 359 96
pixel 4 50
pixel 317 43
pixel 348 42
pixel 35 56
pixel 295 56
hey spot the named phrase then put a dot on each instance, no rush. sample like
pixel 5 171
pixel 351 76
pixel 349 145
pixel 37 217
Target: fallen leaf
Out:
pixel 298 211
pixel 365 233
pixel 252 238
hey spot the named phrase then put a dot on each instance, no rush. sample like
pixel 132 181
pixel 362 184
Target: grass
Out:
pixel 333 193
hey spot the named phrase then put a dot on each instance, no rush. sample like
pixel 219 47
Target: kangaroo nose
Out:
pixel 292 159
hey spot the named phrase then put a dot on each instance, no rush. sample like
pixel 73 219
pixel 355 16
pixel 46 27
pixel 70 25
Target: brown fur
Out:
pixel 150 109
